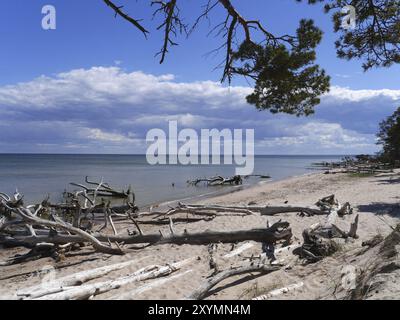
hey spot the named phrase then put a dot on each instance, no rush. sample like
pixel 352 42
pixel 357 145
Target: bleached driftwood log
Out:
pixel 239 250
pixel 75 279
pixel 157 283
pixel 263 210
pixel 202 291
pixel 280 291
pixel 207 211
pixel 212 210
pixel 87 291
pixel 166 221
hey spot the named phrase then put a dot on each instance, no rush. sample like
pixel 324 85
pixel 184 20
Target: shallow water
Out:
pixel 36 175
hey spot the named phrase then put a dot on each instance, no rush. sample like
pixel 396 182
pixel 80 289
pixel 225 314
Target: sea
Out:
pixel 37 176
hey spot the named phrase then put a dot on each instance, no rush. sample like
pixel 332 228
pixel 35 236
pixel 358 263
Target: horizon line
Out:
pixel 143 154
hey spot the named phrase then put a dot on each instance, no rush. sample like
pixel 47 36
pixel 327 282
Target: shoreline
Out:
pixel 36 177
pixel 227 190
pixel 374 199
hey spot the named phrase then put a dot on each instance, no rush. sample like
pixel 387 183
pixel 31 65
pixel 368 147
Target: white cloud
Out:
pixel 321 138
pixel 106 86
pixel 97 134
pixel 84 109
pixel 340 93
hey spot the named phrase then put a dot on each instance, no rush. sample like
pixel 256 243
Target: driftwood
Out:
pixel 261 176
pixel 353 229
pixel 165 221
pixel 45 223
pixel 277 232
pixel 102 189
pixel 76 216
pixel 159 282
pixel 330 204
pixel 49 226
pixel 239 250
pixel 271 211
pixel 357 164
pixel 218 181
pixel 82 203
pixel 358 170
pixel 316 244
pixel 31 229
pixel 41 250
pixel 84 292
pixel 30 218
pixel 202 292
pixel 213 210
pixel 280 291
pixel 75 279
pixel 73 234
pixel 319 240
pixel 205 211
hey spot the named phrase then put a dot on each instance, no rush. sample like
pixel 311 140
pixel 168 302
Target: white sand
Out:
pixel 375 198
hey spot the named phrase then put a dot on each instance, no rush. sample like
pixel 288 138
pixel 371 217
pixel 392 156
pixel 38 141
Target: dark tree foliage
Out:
pixel 283 67
pixel 376 38
pixel 389 137
pixel 285 80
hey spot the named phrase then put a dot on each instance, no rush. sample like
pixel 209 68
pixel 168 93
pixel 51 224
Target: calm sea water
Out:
pixel 35 176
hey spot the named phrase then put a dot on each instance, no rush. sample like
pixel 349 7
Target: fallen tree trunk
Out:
pixel 198 211
pixel 278 231
pixel 75 279
pixel 263 210
pixel 90 290
pixel 202 292
pixel 270 211
pixel 219 210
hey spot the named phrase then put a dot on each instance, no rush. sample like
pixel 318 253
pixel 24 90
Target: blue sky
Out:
pixel 94 85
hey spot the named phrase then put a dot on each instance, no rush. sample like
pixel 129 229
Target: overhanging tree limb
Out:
pixel 125 16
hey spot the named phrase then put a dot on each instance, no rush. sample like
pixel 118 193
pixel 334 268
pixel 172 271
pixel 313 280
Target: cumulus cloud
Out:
pixel 321 138
pixel 361 95
pixel 107 109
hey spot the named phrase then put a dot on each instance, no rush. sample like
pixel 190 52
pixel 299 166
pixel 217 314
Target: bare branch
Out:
pixel 125 16
pixel 172 24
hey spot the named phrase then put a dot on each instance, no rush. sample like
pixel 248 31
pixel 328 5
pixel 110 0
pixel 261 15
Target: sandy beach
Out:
pixel 374 198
